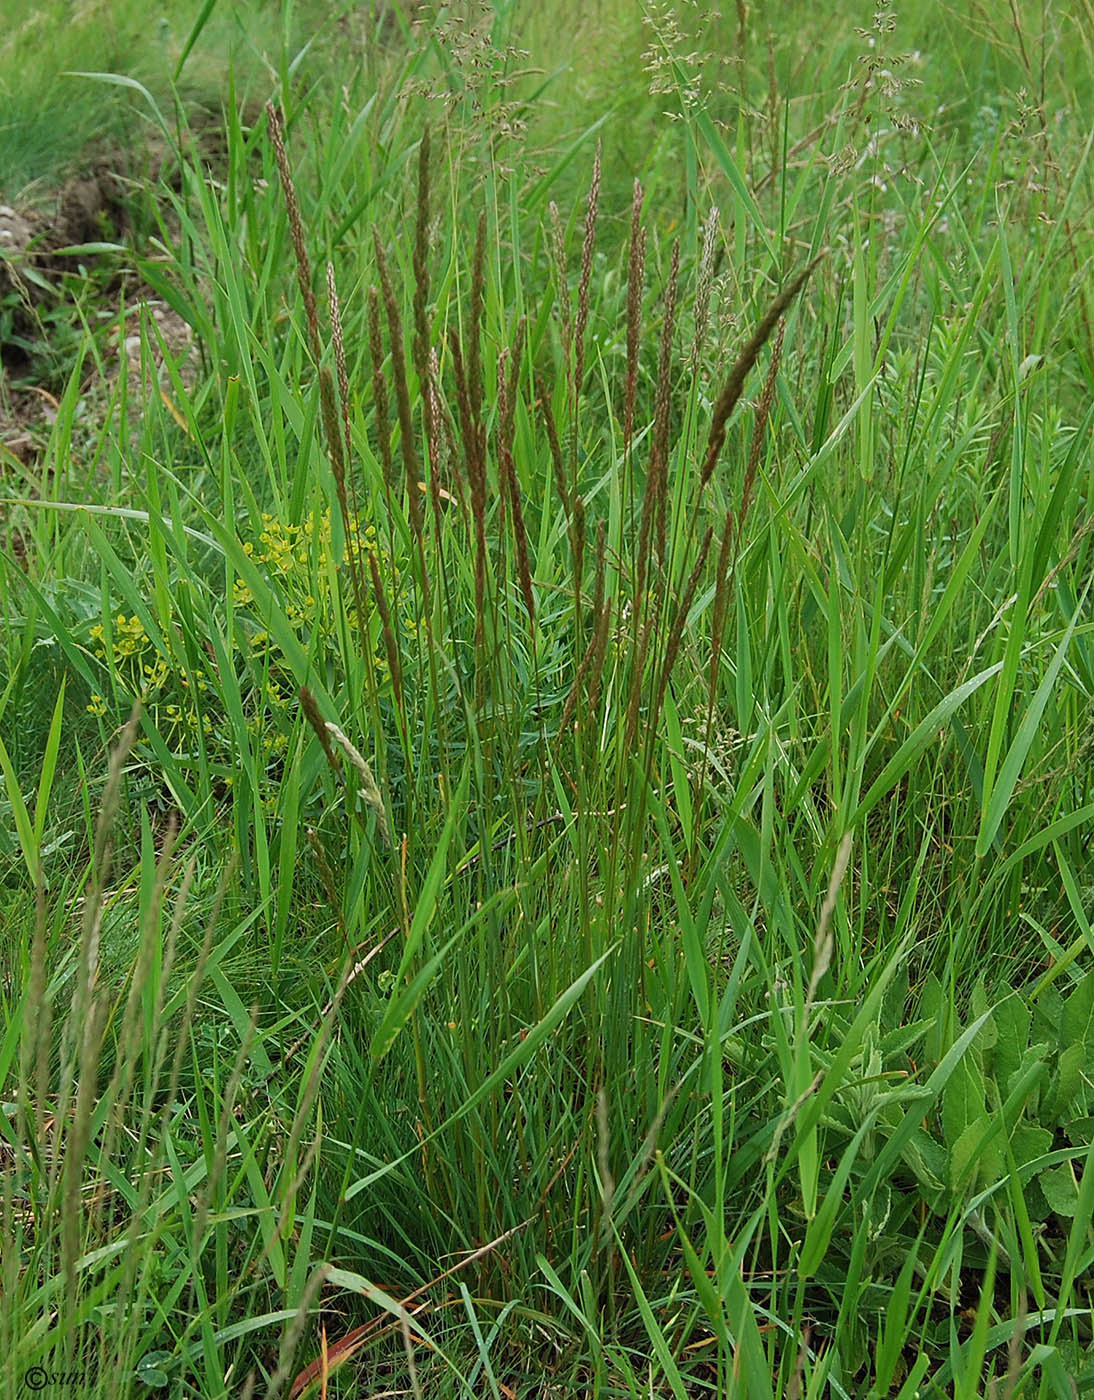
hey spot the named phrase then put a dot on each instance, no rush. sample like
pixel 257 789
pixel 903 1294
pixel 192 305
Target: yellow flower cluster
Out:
pixel 140 667
pixel 143 671
pixel 301 563
pixel 129 636
pixel 301 560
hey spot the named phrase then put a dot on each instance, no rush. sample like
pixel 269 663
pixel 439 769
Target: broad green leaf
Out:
pixel 963 1102
pixel 1077 1021
pixel 1028 1142
pixel 974 1158
pixel 1012 1018
pixel 927 1159
pixel 1061 1189
pixel 1073 1059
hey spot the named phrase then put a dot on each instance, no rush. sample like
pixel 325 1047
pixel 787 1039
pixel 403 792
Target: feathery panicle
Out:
pixel 587 245
pixel 601 631
pixel 91 923
pixel 727 400
pixel 112 796
pixel 636 269
pixel 723 579
pixel 558 247
pixel 379 384
pixel 659 462
pixel 763 413
pixel 434 417
pixel 326 877
pixel 503 414
pixel 421 265
pixel 582 317
pixel 578 548
pixel 598 582
pixel 86 1021
pixel 508 418
pixel 521 535
pixel 332 429
pixel 703 287
pixel 586 275
pixel 507 384
pixel 402 392
pixel 339 357
pixel 463 407
pixel 391 648
pixel 588 660
pixel 638 667
pixel 679 621
pixel 369 791
pixel 473 356
pixel 823 941
pixel 310 707
pixel 475 462
pixel 467 365
pixel 422 362
pixel 296 228
pixel 543 398
pixel 77 1140
pixel 651 532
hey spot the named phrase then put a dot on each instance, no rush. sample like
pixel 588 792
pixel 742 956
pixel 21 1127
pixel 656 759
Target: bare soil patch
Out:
pixel 38 311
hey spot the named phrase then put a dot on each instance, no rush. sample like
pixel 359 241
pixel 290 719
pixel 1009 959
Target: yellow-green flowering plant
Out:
pixel 300 563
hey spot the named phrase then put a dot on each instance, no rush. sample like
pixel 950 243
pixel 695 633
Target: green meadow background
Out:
pixel 546 720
